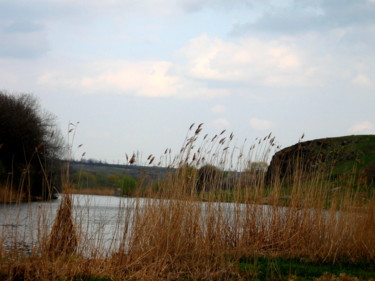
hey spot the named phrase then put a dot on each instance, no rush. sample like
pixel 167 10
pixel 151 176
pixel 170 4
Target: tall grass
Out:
pixel 190 232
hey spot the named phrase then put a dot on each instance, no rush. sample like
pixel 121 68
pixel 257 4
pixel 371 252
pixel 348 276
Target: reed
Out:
pixel 8 195
pixel 62 240
pixel 189 231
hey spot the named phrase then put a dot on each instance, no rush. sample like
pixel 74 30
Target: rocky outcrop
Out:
pixel 336 155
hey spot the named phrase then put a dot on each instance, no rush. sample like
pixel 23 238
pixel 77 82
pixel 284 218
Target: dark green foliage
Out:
pixel 352 157
pixel 128 185
pixel 209 177
pixel 29 145
pixel 124 183
pixel 261 268
pixel 85 180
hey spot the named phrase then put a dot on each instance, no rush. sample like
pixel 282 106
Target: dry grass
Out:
pixel 180 238
pixel 8 195
pixel 62 240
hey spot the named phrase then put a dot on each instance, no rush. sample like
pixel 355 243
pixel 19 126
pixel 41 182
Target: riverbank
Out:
pixel 257 268
pixel 10 196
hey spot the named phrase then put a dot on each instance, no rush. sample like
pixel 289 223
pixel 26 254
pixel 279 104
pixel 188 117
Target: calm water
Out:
pixel 100 220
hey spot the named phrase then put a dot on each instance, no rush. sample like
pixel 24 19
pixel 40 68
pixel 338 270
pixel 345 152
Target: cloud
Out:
pixel 148 78
pixel 145 79
pixel 219 109
pixel 207 66
pixel 363 127
pixel 250 61
pixel 310 16
pixel 142 78
pixel 260 124
pixel 362 80
pixel 221 123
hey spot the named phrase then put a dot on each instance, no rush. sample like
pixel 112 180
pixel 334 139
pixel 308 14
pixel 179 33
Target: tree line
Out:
pixel 125 184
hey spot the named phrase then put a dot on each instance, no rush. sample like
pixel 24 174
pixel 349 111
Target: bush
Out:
pixel 128 185
pixel 30 146
pixel 85 180
pixel 209 178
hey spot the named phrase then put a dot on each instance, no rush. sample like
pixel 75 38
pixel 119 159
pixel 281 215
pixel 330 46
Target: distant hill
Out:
pixel 342 156
pixel 151 173
pixel 347 155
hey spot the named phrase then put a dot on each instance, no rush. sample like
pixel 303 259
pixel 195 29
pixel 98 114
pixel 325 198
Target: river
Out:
pixel 99 220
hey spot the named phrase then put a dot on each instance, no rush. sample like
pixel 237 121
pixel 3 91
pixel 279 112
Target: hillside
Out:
pixel 347 155
pixel 134 171
pixel 352 156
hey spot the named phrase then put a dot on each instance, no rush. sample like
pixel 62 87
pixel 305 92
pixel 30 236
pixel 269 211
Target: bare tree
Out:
pixel 30 145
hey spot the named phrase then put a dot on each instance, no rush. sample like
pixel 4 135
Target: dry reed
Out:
pixel 191 233
pixel 62 240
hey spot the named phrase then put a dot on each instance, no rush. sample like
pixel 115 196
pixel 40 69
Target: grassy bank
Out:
pixel 321 228
pixel 93 191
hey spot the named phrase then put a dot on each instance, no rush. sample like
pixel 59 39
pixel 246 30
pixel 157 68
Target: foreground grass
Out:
pixel 320 233
pixel 255 268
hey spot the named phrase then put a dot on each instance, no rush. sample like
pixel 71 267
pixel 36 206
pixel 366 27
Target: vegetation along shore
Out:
pixel 318 222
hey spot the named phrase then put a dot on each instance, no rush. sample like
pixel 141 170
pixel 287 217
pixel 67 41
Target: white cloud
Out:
pixel 250 60
pixel 142 78
pixel 260 124
pixel 363 127
pixel 220 123
pixel 362 80
pixel 145 79
pixel 219 109
pixel 150 78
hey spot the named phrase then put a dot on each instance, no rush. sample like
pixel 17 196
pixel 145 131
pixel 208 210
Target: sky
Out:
pixel 137 74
